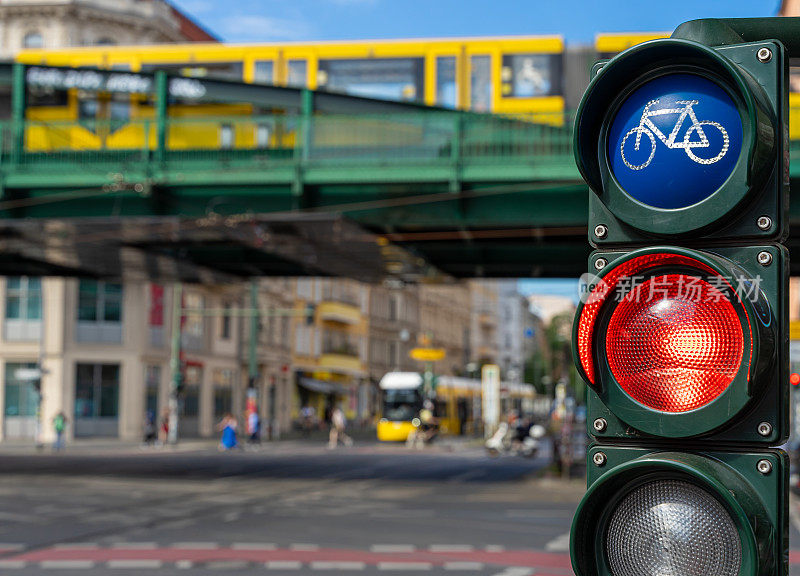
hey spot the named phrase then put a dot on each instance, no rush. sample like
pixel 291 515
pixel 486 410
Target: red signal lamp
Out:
pixel 794 379
pixel 666 334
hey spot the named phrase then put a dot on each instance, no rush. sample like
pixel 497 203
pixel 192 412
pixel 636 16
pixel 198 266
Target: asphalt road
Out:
pixel 291 508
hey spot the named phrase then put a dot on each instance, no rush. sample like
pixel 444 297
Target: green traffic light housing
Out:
pixel 679 140
pixel 661 512
pixel 678 343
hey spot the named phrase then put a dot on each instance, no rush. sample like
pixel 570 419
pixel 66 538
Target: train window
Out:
pixel 530 75
pixel 226 136
pixel 42 96
pixel 263 72
pixel 794 75
pixel 480 94
pixel 388 78
pixel 298 73
pixel 263 133
pixel 87 107
pixel 446 81
pixel 222 70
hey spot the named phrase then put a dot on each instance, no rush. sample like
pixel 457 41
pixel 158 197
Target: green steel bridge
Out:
pixel 358 187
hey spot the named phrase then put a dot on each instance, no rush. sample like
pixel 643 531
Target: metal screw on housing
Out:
pixel 764 466
pixel 764 258
pixel 764 55
pixel 599 425
pixel 764 222
pixel 600 231
pixel 765 428
pixel 600 263
pixel 599 459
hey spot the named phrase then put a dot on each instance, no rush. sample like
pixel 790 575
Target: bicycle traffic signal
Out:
pixel 682 333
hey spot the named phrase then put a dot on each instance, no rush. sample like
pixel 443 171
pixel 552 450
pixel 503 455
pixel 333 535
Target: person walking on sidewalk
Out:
pixel 59 426
pixel 337 434
pixel 228 427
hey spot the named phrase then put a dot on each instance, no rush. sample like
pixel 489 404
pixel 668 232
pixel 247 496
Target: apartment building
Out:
pixel 445 320
pixel 65 23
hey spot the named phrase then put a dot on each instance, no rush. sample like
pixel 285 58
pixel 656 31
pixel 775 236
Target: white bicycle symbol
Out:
pixel 648 128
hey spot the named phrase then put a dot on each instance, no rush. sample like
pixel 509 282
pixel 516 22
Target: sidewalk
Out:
pixel 317 439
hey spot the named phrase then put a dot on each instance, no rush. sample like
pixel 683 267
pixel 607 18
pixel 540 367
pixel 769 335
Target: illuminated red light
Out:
pixel 794 378
pixel 672 348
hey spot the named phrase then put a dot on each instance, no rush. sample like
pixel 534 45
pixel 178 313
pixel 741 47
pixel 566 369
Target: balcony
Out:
pixel 342 312
pixel 341 364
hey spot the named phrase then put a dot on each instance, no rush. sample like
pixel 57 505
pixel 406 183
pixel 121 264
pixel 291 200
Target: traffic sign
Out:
pixel 427 354
pixel 682 334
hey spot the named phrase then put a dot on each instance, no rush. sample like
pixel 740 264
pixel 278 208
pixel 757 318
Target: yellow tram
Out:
pixel 457 404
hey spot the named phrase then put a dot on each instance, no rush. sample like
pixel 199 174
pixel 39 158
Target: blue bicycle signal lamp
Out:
pixel 682 140
pixel 675 140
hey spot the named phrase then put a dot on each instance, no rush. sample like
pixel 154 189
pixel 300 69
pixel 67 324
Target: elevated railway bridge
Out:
pixel 215 179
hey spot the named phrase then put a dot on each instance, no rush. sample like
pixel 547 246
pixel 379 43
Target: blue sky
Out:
pixel 578 21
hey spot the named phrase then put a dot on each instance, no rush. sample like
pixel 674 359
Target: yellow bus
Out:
pixel 457 404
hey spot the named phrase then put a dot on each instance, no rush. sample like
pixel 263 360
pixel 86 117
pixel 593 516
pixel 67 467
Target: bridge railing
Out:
pixel 436 137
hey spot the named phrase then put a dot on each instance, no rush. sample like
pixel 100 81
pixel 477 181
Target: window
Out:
pixel 394 308
pixel 22 398
pixel 97 391
pixel 480 97
pixel 189 403
pixel 297 73
pixel 23 308
pixel 152 382
pixel 33 40
pixel 99 311
pixel 530 75
pixel 446 91
pixel 99 302
pixel 193 324
pixel 224 70
pixel 225 332
pixel 263 133
pixel 388 78
pixel 104 41
pixel 264 72
pixel 226 136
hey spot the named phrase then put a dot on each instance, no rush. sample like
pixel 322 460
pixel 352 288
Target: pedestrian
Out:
pixel 228 427
pixel 337 433
pixel 308 414
pixel 253 428
pixel 60 426
pixel 163 429
pixel 149 431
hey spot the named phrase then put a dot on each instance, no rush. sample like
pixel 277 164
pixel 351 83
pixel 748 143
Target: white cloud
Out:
pixel 257 28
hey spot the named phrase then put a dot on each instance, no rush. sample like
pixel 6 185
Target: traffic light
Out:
pixel 682 332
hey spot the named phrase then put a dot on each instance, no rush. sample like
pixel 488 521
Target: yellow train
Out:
pixel 457 404
pixel 507 75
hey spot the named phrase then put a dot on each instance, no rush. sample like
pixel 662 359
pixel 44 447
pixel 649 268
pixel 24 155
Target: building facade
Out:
pixel 65 23
pixel 445 321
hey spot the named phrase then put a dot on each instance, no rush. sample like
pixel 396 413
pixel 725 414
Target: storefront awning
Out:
pixel 322 387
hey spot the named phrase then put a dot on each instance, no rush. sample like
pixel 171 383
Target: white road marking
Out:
pixel 135 564
pixel 559 544
pixel 184 564
pixel 253 546
pixel 303 547
pixel 196 545
pixel 227 565
pixel 283 565
pixel 231 517
pixel 77 546
pixel 390 548
pixel 404 566
pixel 67 564
pixel 463 566
pixel 13 564
pixel 495 548
pixel 338 565
pixel 516 571
pixel 450 548
pixel 135 545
